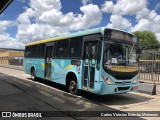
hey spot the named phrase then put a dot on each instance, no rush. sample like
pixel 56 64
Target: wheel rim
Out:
pixel 73 87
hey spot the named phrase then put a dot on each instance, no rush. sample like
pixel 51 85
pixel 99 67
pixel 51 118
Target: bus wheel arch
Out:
pixel 33 73
pixel 72 83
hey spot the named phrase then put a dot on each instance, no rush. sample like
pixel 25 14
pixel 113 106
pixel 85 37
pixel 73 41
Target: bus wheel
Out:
pixel 33 74
pixel 73 87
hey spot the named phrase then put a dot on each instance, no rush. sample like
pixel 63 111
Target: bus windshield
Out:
pixel 117 53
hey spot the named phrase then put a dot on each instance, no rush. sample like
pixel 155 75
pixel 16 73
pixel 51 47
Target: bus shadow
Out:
pixel 50 83
pixel 115 99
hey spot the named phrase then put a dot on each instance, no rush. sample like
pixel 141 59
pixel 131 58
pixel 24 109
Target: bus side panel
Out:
pixel 60 68
pixel 80 75
pixel 97 84
pixel 38 64
pixel 27 65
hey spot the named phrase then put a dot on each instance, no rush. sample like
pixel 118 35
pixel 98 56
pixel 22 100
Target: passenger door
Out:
pixel 48 60
pixel 90 61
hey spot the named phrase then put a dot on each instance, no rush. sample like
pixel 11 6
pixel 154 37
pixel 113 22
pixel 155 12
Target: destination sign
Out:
pixel 121 35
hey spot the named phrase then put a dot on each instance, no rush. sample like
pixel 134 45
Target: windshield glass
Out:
pixel 116 53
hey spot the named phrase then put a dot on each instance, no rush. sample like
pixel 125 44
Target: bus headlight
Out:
pixel 107 80
pixel 135 81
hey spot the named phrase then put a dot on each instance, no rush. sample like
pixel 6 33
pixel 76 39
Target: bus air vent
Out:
pixel 123 88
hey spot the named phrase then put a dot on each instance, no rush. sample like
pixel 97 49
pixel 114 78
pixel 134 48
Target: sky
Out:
pixel 26 21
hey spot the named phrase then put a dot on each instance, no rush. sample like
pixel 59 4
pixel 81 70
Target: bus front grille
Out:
pixel 123 88
pixel 122 82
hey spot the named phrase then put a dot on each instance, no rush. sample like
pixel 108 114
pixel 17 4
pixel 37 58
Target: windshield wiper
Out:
pixel 127 63
pixel 131 50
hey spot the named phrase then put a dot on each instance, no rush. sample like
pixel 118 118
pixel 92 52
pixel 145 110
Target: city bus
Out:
pixel 100 60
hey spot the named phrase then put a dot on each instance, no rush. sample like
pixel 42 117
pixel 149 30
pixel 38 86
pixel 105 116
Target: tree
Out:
pixel 147 40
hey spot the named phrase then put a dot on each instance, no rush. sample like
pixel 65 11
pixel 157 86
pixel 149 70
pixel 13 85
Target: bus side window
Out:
pixel 94 52
pixel 87 52
pixel 75 49
pixel 49 52
pixel 27 51
pixel 62 49
pixel 54 50
pixel 34 51
pixel 41 50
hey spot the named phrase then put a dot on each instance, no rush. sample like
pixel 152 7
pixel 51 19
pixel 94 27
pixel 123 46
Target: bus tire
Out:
pixel 33 74
pixel 73 89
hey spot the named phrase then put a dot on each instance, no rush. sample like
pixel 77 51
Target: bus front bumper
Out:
pixel 117 88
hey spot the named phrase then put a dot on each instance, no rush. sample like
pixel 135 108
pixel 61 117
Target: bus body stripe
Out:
pixel 68 67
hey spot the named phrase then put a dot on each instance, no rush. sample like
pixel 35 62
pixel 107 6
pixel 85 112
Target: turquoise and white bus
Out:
pixel 101 60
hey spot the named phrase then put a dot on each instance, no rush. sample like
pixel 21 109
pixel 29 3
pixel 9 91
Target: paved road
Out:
pixel 22 95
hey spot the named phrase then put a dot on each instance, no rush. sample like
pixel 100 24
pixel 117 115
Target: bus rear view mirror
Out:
pixel 138 50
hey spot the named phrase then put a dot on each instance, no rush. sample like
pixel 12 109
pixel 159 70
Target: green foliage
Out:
pixel 147 40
